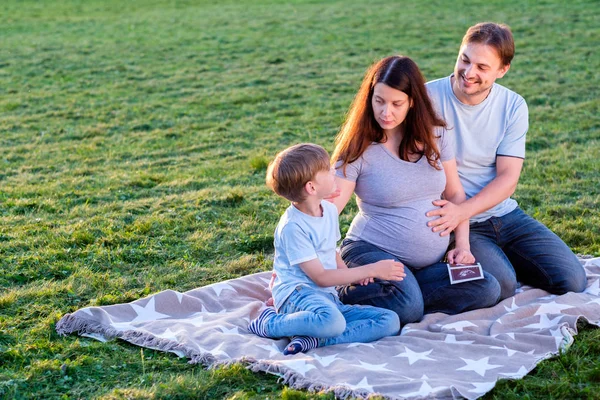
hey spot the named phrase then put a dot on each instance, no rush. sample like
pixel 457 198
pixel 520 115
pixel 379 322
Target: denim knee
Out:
pixel 332 324
pixel 391 321
pixel 507 287
pixel 491 292
pixel 406 315
pixel 385 295
pixel 574 280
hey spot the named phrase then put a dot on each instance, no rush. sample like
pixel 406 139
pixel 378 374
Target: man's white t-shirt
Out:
pixel 495 127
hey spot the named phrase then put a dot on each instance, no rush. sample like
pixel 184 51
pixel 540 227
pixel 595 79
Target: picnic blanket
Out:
pixel 440 357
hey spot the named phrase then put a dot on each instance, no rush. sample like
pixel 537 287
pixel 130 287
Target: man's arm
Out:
pixel 508 170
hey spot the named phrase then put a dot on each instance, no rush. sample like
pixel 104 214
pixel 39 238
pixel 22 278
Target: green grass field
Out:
pixel 134 139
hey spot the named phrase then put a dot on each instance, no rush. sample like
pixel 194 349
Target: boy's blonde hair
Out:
pixel 293 167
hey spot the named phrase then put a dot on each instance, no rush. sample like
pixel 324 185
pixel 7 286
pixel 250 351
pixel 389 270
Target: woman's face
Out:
pixel 390 107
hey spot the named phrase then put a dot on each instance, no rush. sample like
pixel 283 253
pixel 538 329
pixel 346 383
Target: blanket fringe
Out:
pixel 296 380
pixel 71 324
pixel 74 324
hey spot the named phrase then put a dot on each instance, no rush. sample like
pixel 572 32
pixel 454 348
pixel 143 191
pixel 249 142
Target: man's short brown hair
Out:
pixel 495 35
pixel 293 167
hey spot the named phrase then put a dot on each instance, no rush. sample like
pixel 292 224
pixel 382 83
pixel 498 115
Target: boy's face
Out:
pixel 324 183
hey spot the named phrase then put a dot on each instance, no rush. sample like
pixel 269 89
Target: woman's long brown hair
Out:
pixel 361 129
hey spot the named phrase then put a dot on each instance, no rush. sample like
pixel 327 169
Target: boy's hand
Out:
pixel 365 282
pixel 333 195
pixel 270 302
pixel 460 256
pixel 389 270
pixel 272 281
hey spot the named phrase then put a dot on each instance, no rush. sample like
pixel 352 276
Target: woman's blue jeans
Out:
pixel 516 247
pixel 423 290
pixel 308 312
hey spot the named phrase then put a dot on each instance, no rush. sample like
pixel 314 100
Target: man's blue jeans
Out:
pixel 423 290
pixel 516 247
pixel 308 312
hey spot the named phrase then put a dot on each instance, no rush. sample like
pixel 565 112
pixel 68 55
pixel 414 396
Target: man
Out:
pixel 490 122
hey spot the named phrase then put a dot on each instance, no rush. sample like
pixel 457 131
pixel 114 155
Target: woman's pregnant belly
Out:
pixel 401 231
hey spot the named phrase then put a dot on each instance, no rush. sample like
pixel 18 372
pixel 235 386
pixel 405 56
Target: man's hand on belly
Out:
pixel 450 215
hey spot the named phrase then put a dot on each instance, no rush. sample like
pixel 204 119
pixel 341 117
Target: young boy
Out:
pixel 307 266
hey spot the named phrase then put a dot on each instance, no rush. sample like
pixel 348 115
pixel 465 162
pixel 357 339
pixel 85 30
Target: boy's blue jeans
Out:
pixel 307 312
pixel 424 290
pixel 516 247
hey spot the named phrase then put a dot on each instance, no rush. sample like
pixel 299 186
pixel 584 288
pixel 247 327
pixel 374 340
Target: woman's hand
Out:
pixel 460 255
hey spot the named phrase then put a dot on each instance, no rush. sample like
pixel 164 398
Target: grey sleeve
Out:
pixel 351 170
pixel 446 143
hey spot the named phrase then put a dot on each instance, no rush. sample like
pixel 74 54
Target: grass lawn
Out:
pixel 134 138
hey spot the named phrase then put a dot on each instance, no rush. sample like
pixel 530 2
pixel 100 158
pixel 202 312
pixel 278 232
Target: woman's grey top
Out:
pixel 393 196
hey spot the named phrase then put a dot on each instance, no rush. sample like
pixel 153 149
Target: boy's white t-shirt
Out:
pixel 299 238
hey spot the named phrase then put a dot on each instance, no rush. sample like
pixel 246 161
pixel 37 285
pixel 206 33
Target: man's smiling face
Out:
pixel 477 68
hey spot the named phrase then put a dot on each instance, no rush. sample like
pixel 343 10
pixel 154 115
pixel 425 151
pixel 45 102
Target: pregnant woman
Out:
pixel 396 155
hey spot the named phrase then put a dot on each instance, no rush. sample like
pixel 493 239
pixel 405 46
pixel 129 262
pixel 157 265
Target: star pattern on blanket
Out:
pixel 88 310
pixel 147 313
pixel 372 367
pixel 594 288
pixel 179 296
pixel 452 339
pixel 271 348
pixel 232 331
pixel 414 356
pixel 512 308
pixel 125 326
pixel 552 308
pixel 216 350
pixel 494 344
pixel 545 322
pixel 480 366
pixel 143 314
pixel 221 311
pixel 326 360
pixel 423 391
pixel 219 287
pixel 595 301
pixel 168 334
pixel 458 325
pixel 196 319
pixel 510 352
pixel 363 384
pixel 301 366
